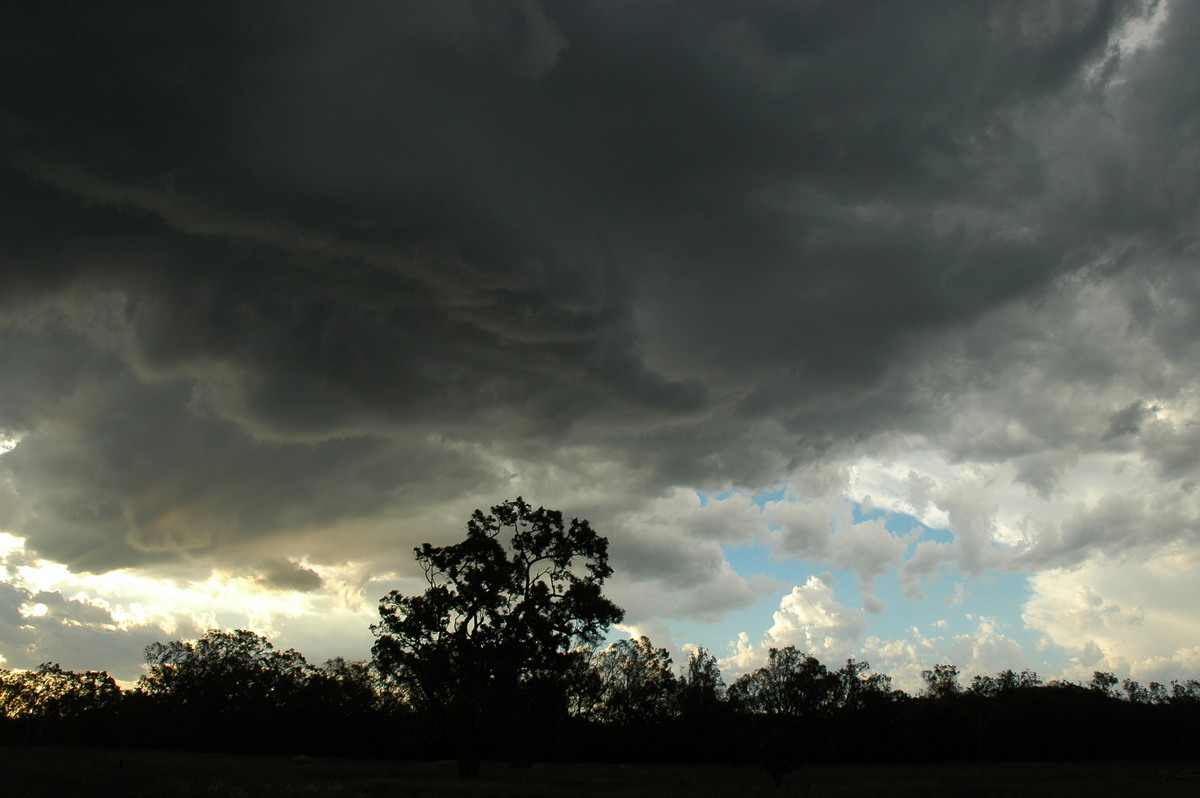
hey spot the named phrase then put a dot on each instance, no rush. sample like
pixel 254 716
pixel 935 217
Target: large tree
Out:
pixel 501 621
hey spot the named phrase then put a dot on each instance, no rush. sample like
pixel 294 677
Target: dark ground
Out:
pixel 41 771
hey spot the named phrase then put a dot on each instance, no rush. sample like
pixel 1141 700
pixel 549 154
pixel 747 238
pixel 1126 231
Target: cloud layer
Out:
pixel 293 288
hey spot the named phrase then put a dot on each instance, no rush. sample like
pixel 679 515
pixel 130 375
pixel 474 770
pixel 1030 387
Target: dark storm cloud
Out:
pixel 286 575
pixel 130 473
pixel 271 267
pixel 1128 420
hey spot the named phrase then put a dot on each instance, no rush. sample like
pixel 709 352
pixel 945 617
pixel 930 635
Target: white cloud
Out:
pixel 1121 615
pixel 903 658
pixel 985 651
pixel 812 620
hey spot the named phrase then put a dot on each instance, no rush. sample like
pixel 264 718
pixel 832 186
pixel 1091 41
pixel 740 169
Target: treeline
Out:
pixel 499 659
pixel 233 691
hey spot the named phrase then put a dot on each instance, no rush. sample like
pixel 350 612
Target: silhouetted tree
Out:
pixel 1004 682
pixel 793 693
pixel 581 684
pixel 503 611
pixel 349 684
pixel 636 683
pixel 856 689
pixel 1158 693
pixel 984 686
pixel 229 688
pixel 701 687
pixel 1103 683
pixel 51 703
pixel 345 710
pixel 1185 692
pixel 941 681
pixel 791 683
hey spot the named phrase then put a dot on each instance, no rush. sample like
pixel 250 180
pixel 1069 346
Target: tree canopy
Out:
pixel 636 683
pixel 791 683
pixel 502 614
pixel 52 696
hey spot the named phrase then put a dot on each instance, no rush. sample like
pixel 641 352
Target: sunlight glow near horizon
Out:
pixel 129 602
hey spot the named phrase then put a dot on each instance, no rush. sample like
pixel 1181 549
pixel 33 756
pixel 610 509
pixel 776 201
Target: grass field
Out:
pixel 41 772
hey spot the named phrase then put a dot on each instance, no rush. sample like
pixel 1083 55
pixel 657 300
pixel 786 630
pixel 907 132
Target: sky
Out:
pixel 871 328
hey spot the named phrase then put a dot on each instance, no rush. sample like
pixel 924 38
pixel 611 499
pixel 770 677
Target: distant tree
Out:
pixel 581 685
pixel 1158 693
pixel 701 687
pixel 226 687
pixel 504 611
pixel 791 683
pixel 856 689
pixel 223 668
pixel 348 712
pixel 984 686
pixel 51 702
pixel 637 685
pixel 1004 682
pixel 792 695
pixel 1023 681
pixel 1103 683
pixel 348 685
pixel 941 681
pixel 1134 692
pixel 1186 692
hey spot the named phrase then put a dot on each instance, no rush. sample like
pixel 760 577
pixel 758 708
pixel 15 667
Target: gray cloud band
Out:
pixel 271 272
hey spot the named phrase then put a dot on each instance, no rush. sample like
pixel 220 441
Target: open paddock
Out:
pixel 36 772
